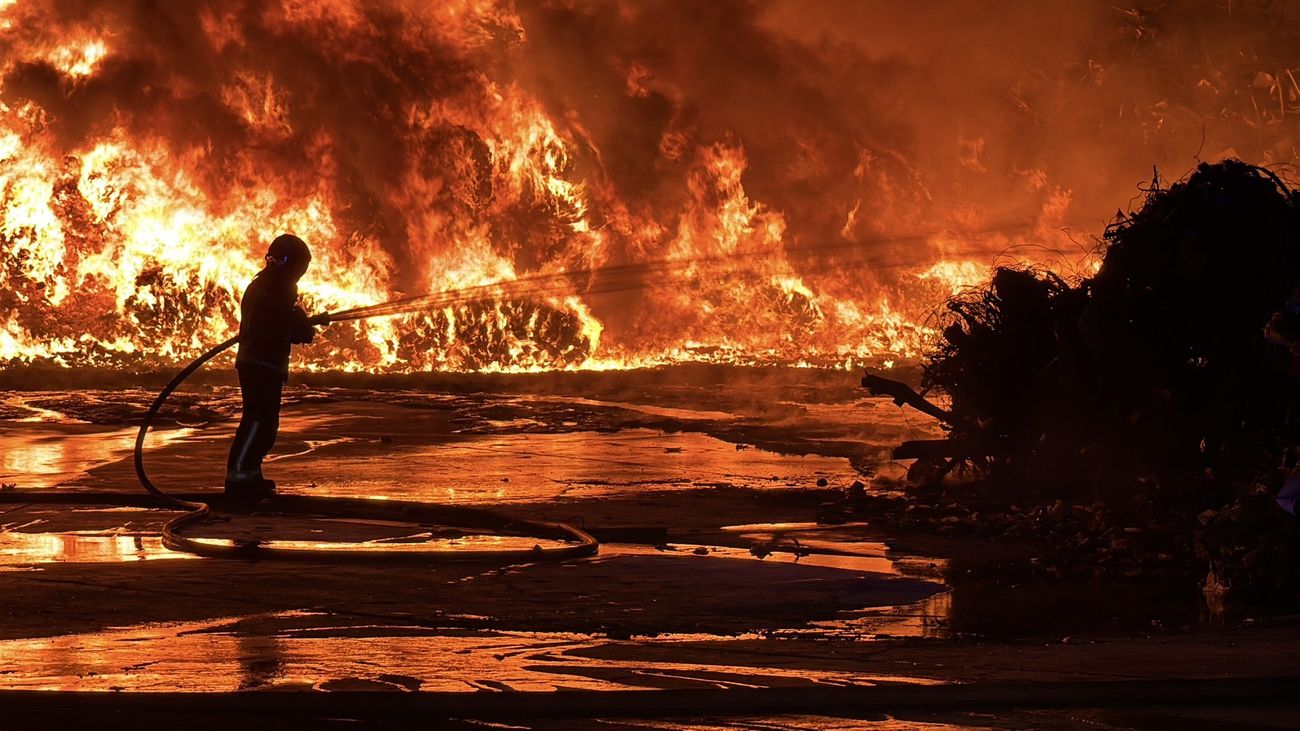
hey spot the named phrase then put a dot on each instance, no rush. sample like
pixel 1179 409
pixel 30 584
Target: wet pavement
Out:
pixel 300 651
pixel 718 576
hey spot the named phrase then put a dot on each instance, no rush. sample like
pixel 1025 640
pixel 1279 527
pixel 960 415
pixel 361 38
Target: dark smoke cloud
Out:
pixel 957 103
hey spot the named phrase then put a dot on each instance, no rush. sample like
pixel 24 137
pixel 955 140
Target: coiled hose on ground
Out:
pixel 579 542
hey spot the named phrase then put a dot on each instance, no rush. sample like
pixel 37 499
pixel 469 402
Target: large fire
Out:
pixel 149 151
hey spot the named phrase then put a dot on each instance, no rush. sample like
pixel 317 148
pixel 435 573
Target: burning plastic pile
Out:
pixel 1150 410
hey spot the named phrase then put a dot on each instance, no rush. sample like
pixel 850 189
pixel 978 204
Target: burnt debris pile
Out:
pixel 1152 411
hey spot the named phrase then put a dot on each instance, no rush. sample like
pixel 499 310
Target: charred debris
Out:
pixel 1139 422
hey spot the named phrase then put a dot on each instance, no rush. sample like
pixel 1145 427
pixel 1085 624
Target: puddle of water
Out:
pixel 862 563
pixel 836 541
pixel 40 456
pixel 22 549
pixel 408 544
pixel 926 619
pixel 535 467
pixel 218 656
pixel 520 423
pixel 672 413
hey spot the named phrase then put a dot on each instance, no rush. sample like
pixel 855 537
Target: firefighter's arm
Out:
pixel 300 327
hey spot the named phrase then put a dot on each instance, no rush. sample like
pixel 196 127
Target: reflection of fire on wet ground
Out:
pixel 468 448
pixel 296 650
pixel 723 479
pixel 18 548
pixel 680 463
pixel 37 455
pixel 343 649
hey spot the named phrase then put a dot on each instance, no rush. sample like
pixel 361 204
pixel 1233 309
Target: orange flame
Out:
pixel 417 151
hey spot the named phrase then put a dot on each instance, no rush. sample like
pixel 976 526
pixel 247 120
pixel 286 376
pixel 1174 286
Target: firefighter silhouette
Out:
pixel 270 322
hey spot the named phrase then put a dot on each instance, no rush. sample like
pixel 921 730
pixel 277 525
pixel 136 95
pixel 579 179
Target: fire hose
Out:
pixel 578 542
pixel 611 279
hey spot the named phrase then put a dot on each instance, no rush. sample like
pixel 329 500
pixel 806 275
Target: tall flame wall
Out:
pixel 835 168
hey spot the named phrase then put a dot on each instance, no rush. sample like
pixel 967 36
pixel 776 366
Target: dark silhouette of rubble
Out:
pixel 1161 391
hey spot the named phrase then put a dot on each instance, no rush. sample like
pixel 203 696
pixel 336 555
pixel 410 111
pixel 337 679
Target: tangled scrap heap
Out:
pixel 1156 406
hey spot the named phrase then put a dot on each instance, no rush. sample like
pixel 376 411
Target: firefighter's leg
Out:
pixel 260 389
pixel 267 427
